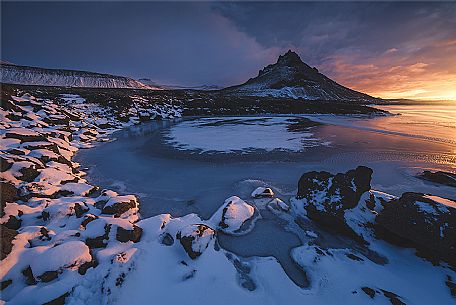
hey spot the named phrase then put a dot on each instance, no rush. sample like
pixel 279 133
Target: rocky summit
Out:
pixel 290 77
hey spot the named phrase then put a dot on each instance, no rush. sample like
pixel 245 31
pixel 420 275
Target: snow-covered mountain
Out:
pixel 152 83
pixel 290 77
pixel 24 75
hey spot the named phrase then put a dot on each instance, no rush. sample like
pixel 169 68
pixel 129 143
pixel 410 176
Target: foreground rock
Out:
pixel 439 177
pixel 195 239
pixel 325 197
pixel 233 215
pixel 7 237
pixel 425 222
pixel 57 230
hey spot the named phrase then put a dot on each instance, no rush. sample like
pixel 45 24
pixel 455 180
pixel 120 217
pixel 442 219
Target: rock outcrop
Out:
pixel 425 222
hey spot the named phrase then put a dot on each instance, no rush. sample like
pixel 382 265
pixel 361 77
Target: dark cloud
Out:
pixel 382 48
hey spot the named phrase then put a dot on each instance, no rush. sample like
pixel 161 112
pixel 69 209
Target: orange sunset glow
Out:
pixel 425 71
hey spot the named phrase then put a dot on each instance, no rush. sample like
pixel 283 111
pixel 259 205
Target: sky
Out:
pixel 386 49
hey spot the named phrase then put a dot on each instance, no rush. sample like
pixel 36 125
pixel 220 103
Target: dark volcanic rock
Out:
pixel 25 137
pixel 120 207
pixel 327 196
pixel 29 174
pixel 58 301
pixel 5 164
pixel 124 235
pixel 8 193
pixel 48 276
pixel 195 239
pixel 99 241
pixel 369 291
pixel 7 237
pixel 13 223
pixel 439 177
pixel 423 222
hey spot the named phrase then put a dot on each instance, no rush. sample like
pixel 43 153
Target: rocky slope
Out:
pixel 24 75
pixel 290 77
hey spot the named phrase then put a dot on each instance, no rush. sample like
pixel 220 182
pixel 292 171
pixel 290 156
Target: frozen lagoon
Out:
pixel 184 167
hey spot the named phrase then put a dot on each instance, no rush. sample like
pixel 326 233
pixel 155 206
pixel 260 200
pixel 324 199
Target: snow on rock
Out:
pixel 195 239
pixel 62 241
pixel 262 192
pixel 324 197
pixel 425 222
pixel 290 77
pixel 232 215
pixel 71 254
pixel 13 74
pixel 120 204
pixel 278 204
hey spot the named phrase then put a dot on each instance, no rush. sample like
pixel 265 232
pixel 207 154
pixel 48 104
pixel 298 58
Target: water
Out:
pixel 177 181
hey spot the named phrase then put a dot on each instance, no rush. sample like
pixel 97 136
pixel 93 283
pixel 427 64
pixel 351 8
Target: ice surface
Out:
pixel 239 134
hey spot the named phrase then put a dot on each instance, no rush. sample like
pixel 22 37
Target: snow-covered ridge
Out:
pixel 24 75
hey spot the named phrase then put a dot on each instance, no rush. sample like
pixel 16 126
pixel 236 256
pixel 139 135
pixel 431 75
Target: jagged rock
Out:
pixel 195 239
pixel 118 205
pixel 87 265
pixel 29 278
pixel 99 241
pixel 425 222
pixel 263 192
pixel 30 173
pixel 13 222
pixel 87 219
pixel 24 135
pixel 7 237
pixel 79 210
pixel 369 291
pixel 439 177
pixel 8 194
pixel 325 196
pixel 124 235
pixel 394 298
pixel 4 284
pixel 167 239
pixel 48 276
pixel 5 164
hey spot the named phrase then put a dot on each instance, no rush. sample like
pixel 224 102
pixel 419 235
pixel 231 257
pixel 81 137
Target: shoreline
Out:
pixel 95 237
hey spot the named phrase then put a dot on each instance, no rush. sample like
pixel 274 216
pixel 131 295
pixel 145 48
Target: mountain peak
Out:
pixel 290 58
pixel 290 77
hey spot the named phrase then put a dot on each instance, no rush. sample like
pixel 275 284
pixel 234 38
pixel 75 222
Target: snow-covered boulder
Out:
pixel 325 197
pixel 52 261
pixel 278 204
pixel 129 234
pixel 262 192
pixel 195 239
pixel 118 205
pixel 230 217
pixel 425 222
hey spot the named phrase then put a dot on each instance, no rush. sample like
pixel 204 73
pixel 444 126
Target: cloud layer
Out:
pixel 385 49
